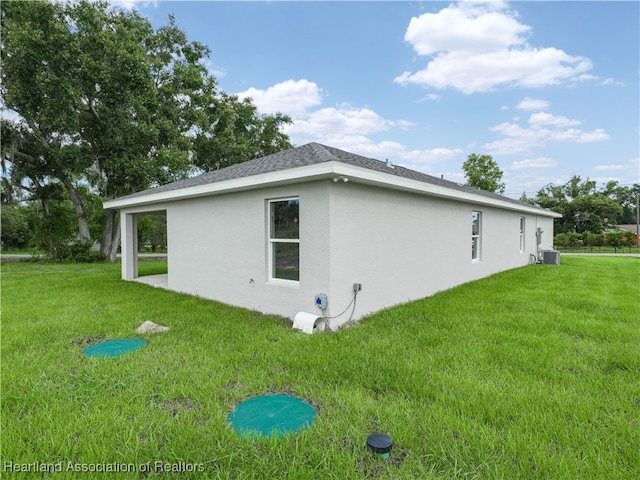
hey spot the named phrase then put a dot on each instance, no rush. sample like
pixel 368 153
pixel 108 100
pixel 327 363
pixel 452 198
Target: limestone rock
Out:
pixel 150 327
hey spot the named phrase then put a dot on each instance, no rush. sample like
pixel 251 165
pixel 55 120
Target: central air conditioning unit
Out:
pixel 550 257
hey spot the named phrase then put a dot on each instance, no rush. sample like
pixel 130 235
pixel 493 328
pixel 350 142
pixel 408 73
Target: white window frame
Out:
pixel 271 242
pixel 476 238
pixel 523 229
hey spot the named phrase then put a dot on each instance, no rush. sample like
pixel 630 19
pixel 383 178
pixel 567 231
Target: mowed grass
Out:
pixel 532 373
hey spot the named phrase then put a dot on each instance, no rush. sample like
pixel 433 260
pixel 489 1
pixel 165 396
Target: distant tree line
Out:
pixel 587 208
pixel 589 240
pixel 96 104
pixel 584 206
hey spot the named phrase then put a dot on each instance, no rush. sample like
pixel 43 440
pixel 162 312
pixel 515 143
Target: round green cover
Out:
pixel 271 415
pixel 114 348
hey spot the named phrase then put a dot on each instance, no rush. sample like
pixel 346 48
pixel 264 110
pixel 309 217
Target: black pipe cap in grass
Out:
pixel 379 443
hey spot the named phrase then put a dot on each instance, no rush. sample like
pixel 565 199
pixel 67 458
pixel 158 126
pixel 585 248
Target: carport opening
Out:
pixel 152 248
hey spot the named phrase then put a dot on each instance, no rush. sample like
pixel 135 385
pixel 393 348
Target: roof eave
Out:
pixel 289 176
pixel 372 177
pixel 319 171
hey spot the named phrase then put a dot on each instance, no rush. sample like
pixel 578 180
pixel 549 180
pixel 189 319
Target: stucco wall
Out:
pixel 400 246
pixel 218 248
pixel 403 246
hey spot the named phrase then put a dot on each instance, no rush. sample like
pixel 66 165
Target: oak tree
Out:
pixel 99 98
pixel 583 207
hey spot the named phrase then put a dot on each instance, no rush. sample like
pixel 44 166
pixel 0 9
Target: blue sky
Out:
pixel 548 89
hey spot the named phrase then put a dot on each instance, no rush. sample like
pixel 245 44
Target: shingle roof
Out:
pixel 311 154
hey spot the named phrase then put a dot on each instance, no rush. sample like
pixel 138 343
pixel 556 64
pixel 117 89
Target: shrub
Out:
pixel 569 239
pixel 76 252
pixel 15 227
pixel 592 239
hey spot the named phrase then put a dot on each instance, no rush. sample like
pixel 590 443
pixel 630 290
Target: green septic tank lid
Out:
pixel 271 414
pixel 114 348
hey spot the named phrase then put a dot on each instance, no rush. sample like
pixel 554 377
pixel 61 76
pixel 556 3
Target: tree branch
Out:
pixel 30 158
pixel 38 134
pixel 92 110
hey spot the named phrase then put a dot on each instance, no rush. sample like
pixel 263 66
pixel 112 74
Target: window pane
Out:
pixel 285 219
pixel 475 235
pixel 286 261
pixel 475 223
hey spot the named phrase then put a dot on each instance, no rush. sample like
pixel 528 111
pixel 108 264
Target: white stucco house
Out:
pixel 283 233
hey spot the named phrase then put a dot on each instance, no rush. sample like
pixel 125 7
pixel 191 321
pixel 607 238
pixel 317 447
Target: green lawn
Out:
pixel 532 373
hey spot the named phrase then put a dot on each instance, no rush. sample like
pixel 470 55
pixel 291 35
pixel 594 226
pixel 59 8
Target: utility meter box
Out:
pixel 321 301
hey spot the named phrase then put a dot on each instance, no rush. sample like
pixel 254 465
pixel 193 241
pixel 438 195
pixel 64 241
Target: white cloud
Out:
pixel 424 160
pixel 454 177
pixel 291 97
pixel 126 4
pixel 349 129
pixel 433 155
pixel 477 47
pixel 520 139
pixel 578 136
pixel 549 119
pixel 467 28
pixel 612 81
pixel 540 162
pixel 326 123
pixel 543 128
pixel 601 168
pixel 628 172
pixel 517 139
pixel 342 126
pixel 431 97
pixel 530 104
pixel 215 70
pixel 631 169
pixel 530 182
pixel 368 148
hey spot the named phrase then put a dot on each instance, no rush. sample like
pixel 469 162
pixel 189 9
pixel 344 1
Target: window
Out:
pixel 522 223
pixel 284 239
pixel 476 220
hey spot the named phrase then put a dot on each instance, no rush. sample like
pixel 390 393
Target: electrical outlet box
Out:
pixel 357 287
pixel 321 301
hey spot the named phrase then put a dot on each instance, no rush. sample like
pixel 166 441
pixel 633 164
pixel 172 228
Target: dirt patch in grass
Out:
pixel 398 458
pixel 177 405
pixel 373 467
pixel 85 341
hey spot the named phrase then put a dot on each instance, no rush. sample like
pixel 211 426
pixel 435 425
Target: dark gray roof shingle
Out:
pixel 311 154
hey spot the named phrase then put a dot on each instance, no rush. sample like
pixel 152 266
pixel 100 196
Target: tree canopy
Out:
pixel 482 171
pixel 101 100
pixel 585 208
